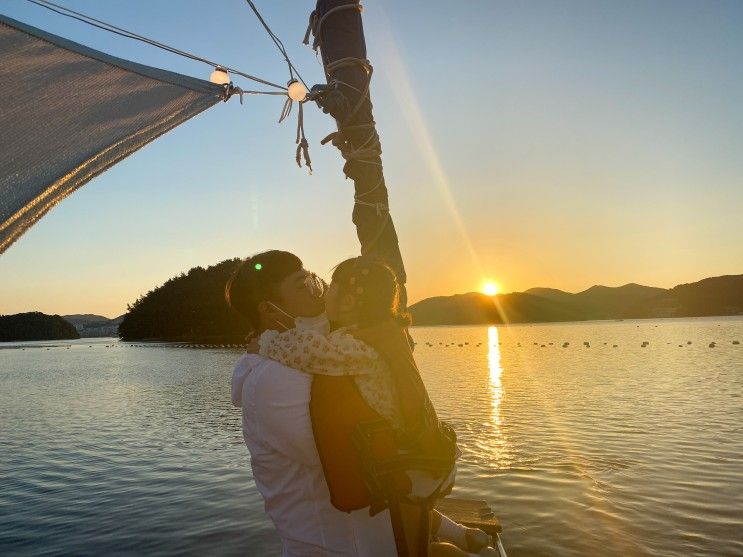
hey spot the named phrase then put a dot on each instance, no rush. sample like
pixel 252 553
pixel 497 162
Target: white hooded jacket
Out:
pixel 287 471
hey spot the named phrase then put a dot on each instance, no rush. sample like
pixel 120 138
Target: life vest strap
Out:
pixel 386 476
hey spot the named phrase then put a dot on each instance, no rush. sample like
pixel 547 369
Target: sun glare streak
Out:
pixel 505 455
pixel 406 98
pixel 500 310
pixel 573 454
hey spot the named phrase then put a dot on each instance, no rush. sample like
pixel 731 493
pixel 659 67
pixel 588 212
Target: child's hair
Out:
pixel 374 286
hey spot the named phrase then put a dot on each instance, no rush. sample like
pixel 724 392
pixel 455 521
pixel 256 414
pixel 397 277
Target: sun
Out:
pixel 490 288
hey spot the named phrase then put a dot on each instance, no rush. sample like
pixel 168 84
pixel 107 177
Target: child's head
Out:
pixel 364 291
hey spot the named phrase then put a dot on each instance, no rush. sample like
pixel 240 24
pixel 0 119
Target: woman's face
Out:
pixel 340 308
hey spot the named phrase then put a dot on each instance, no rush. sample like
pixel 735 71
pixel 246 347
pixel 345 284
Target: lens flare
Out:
pixel 490 288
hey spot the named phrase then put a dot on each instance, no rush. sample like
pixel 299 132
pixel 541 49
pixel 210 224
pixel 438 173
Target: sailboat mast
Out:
pixel 338 32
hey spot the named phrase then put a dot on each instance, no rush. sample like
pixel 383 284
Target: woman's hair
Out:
pixel 257 279
pixel 374 286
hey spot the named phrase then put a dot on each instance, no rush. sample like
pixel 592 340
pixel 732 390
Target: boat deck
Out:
pixel 474 513
pixel 471 513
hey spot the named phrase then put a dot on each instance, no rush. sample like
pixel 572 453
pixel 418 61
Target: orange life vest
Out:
pixel 337 409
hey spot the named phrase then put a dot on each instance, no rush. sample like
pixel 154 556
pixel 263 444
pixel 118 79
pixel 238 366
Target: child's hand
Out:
pixel 253 346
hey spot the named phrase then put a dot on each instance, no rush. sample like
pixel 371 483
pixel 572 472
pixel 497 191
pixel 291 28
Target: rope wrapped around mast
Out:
pixel 338 32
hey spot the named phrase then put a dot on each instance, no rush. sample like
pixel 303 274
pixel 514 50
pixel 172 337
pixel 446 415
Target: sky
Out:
pixel 538 143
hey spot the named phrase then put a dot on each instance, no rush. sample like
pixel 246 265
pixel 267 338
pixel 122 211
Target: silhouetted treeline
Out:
pixel 190 307
pixel 35 326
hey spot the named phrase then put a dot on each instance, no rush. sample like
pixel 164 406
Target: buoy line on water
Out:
pixel 426 344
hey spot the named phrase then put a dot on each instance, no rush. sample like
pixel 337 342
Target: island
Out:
pixel 35 326
pixel 190 307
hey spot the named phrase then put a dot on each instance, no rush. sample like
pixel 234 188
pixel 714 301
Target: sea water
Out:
pixel 595 438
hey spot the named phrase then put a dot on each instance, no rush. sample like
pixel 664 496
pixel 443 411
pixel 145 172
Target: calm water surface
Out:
pixel 108 447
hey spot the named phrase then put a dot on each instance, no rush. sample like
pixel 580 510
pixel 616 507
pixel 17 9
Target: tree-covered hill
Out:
pixel 190 308
pixel 35 326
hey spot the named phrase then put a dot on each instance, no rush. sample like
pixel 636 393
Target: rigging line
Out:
pixel 67 12
pixel 249 92
pixel 279 44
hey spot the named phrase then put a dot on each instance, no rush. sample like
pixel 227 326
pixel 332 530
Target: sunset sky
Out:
pixel 560 144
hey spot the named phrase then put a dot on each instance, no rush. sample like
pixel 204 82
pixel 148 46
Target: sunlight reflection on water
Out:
pixel 499 449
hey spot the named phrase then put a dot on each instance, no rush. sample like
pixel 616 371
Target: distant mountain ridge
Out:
pixel 191 307
pixel 712 296
pixel 91 325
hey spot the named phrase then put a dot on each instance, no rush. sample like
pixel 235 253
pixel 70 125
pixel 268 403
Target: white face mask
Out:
pixel 318 323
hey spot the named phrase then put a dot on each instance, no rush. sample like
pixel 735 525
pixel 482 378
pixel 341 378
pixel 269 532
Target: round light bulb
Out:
pixel 220 76
pixel 296 91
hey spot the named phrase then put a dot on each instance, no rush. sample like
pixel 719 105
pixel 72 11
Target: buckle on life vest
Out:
pixel 385 467
pixel 383 473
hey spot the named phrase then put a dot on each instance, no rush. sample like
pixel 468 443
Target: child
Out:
pixel 370 343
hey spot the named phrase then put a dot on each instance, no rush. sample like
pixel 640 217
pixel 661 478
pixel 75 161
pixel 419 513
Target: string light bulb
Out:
pixel 220 76
pixel 296 90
